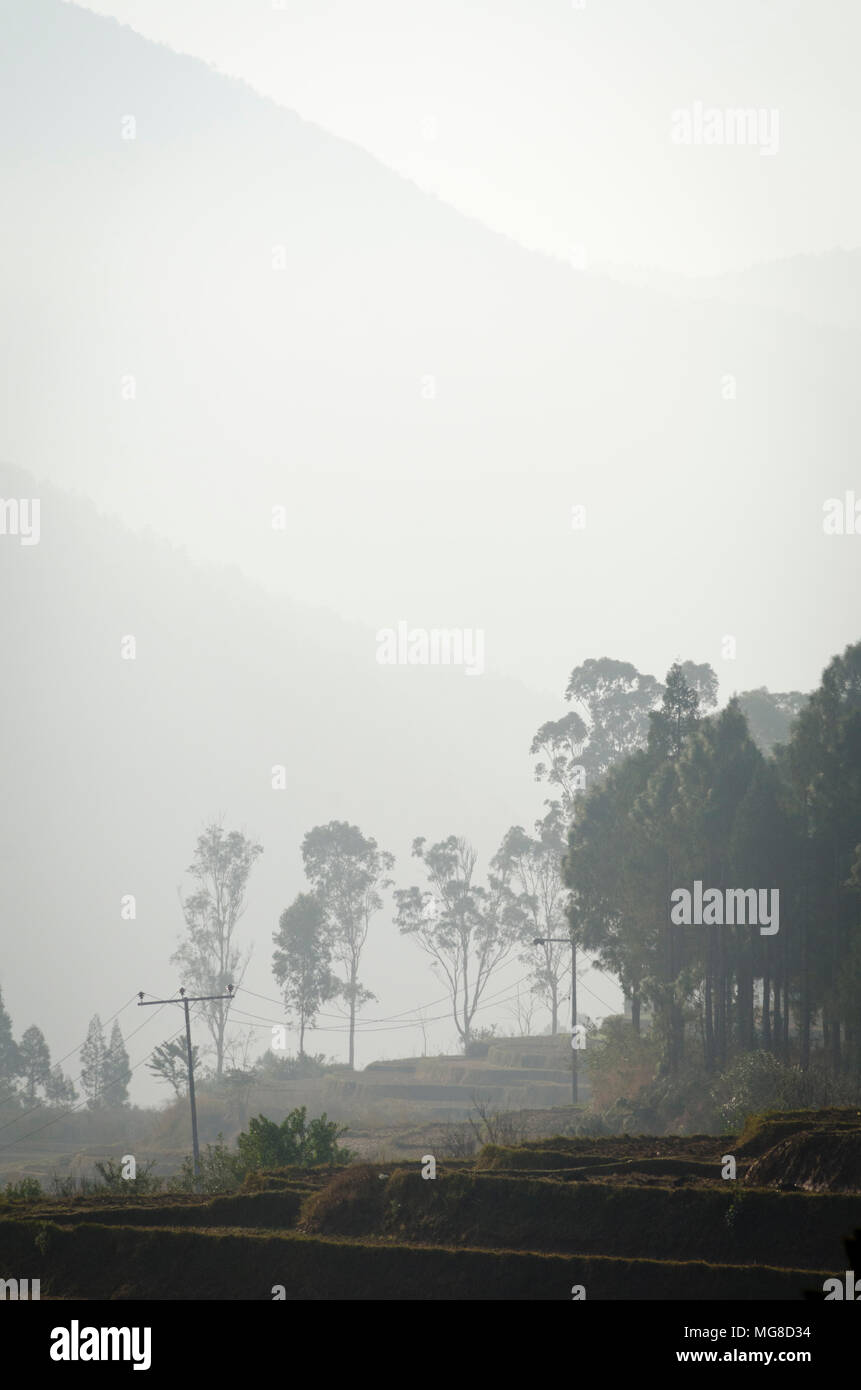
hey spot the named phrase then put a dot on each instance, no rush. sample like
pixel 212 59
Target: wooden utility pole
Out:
pixel 185 1000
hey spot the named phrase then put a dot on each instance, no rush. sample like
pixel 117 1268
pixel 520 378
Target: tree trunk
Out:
pixel 744 1002
pixel 466 1017
pixel 805 981
pixel 708 1004
pixel 219 1043
pixel 353 969
pixel 723 1011
pixel 766 1012
pixel 670 1003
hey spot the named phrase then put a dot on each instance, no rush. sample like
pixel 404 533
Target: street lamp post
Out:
pixel 575 1039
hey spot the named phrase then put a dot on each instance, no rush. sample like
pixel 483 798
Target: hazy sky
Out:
pixel 551 120
pixel 428 402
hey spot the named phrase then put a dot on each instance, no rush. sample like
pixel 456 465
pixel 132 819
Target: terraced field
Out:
pixel 625 1218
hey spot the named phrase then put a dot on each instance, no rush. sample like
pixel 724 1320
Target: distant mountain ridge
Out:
pixel 234 310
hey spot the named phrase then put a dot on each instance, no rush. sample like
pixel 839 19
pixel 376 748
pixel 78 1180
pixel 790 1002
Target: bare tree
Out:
pixel 209 956
pixel 534 869
pixel 468 931
pixel 496 1126
pixel 523 1011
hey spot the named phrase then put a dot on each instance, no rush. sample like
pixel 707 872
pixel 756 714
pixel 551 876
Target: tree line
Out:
pixel 650 787
pixel 26 1072
pixel 698 799
pixel 469 925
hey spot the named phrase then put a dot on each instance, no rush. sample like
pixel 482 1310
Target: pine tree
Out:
pixel 117 1072
pixel 35 1061
pixel 59 1089
pixel 93 1064
pixel 9 1057
pixel 677 717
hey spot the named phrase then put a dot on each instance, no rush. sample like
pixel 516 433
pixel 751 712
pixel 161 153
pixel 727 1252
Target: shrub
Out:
pixel 110 1170
pixel 496 1126
pixel 480 1040
pixel 219 1171
pixel 293 1142
pixel 72 1184
pixel 455 1141
pixel 27 1190
pixel 680 1104
pixel 273 1067
pixel 620 1062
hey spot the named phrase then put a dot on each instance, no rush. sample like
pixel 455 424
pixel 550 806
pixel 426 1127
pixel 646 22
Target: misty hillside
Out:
pixel 111 766
pixel 824 289
pixel 415 390
pixel 430 547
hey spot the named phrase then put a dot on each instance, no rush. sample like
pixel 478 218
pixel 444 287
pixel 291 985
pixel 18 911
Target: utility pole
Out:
pixel 185 1000
pixel 575 1039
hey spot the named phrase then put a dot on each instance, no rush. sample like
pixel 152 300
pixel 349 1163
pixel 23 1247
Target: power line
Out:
pixel 185 1000
pixel 55 1119
pixel 108 1053
pixel 494 1001
pixel 72 1050
pixel 365 1024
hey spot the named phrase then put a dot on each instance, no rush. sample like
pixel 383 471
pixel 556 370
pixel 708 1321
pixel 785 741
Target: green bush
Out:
pixel 293 1142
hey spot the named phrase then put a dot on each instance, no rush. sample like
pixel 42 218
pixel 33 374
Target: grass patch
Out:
pixel 763 1131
